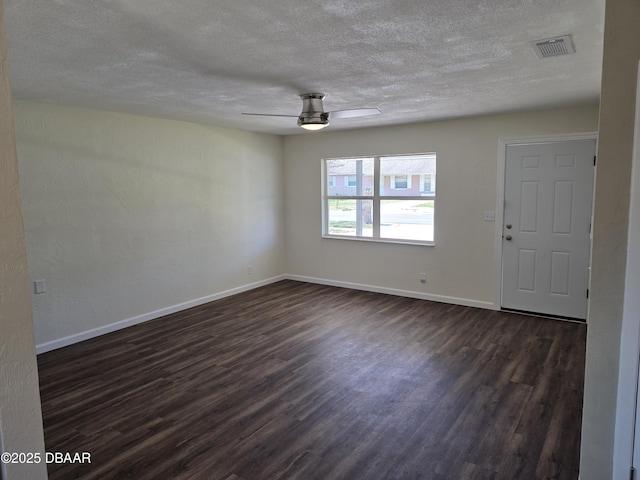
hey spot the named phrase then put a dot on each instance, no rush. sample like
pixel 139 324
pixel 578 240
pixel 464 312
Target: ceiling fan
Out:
pixel 313 116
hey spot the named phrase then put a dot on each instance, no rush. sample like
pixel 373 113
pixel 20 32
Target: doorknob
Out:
pixel 508 237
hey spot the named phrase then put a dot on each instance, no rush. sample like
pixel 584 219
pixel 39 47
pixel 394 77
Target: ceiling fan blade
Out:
pixel 270 115
pixel 355 112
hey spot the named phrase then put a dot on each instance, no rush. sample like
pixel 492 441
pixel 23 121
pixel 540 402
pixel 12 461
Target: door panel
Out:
pixel 560 273
pixel 529 207
pixel 547 220
pixel 527 270
pixel 563 208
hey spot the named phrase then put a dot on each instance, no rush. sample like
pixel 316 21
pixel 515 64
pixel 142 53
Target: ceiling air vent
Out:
pixel 552 47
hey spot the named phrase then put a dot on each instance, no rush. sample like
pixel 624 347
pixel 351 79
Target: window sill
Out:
pixel 382 240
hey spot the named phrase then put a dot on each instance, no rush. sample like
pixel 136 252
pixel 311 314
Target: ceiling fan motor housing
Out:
pixel 313 110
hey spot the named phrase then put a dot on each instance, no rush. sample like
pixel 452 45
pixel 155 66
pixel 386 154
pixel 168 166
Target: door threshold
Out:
pixel 544 315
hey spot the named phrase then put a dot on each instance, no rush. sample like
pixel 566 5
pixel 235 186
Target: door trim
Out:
pixel 503 143
pixel 627 424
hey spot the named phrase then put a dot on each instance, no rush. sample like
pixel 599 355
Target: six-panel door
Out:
pixel 546 229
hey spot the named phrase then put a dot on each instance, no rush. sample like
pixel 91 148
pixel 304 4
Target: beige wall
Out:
pixel 128 215
pixel 461 265
pixel 615 150
pixel 20 416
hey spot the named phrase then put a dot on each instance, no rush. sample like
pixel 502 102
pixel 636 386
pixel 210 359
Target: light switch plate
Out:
pixel 40 286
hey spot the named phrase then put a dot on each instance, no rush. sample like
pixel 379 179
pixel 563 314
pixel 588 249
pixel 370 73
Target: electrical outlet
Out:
pixel 423 278
pixel 249 269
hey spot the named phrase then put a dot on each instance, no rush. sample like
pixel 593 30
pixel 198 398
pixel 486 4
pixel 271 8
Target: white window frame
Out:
pixel 332 181
pixel 375 198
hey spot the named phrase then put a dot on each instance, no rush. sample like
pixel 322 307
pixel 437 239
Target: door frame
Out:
pixel 503 143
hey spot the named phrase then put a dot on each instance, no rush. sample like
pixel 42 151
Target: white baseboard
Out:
pixel 393 291
pixel 112 327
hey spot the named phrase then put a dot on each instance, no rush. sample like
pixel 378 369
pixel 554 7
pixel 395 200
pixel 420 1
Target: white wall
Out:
pixel 20 414
pixel 610 228
pixel 129 217
pixel 461 265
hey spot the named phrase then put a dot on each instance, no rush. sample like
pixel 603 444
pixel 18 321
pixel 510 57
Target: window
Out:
pixel 428 182
pixel 387 198
pixel 400 182
pixel 332 181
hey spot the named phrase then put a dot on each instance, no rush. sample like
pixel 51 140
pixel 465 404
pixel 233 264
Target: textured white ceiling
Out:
pixel 209 61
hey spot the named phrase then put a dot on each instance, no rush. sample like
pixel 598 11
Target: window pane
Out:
pixel 407 219
pixel 350 217
pixel 405 176
pixel 350 176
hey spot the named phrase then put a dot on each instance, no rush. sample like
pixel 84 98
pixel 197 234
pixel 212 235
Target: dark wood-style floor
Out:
pixel 302 381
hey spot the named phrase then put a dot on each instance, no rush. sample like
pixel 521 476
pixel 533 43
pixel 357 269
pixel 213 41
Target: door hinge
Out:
pixel 633 474
pixel 594 160
pixel 587 293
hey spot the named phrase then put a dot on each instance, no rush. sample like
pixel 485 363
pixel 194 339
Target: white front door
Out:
pixel 546 229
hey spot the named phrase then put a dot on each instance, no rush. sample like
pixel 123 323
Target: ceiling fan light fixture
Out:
pixel 310 120
pixel 313 116
pixel 314 126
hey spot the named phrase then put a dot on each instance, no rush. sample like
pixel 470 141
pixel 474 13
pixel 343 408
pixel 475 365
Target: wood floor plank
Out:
pixel 301 381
